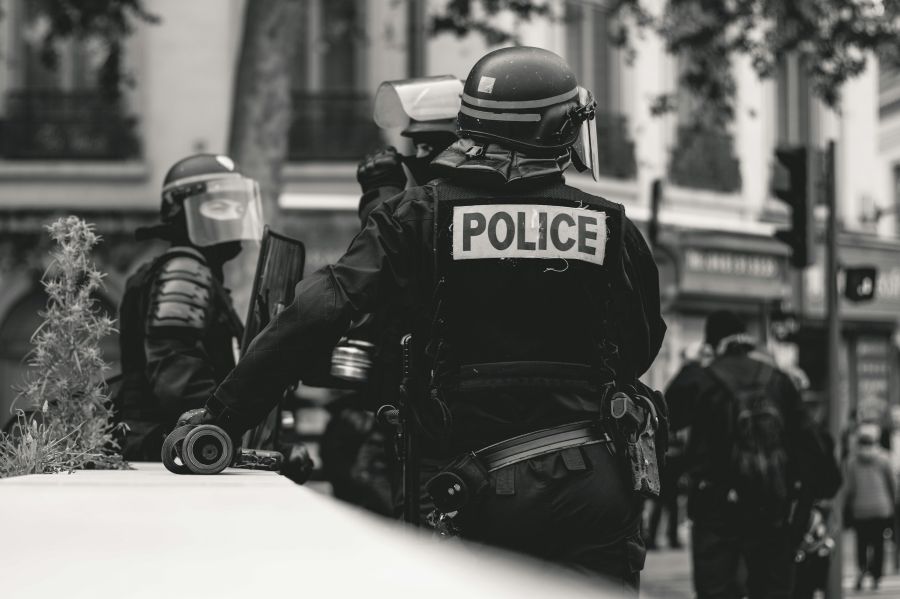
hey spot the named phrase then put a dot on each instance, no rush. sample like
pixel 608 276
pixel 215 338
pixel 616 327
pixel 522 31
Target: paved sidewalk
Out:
pixel 667 575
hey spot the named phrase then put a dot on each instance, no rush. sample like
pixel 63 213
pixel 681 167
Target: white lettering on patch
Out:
pixel 528 231
pixel 486 85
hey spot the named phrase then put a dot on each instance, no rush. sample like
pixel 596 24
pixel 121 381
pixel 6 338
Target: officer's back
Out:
pixel 528 301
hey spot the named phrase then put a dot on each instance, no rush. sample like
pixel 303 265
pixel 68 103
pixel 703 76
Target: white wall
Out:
pixel 187 79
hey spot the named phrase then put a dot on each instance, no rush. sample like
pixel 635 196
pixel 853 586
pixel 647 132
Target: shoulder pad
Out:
pixel 181 291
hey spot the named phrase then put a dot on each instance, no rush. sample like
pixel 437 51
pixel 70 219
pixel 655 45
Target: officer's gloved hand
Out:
pixel 298 465
pixel 215 413
pixel 381 169
pixel 195 417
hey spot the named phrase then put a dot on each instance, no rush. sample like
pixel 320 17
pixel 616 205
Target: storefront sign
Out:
pixel 873 355
pixel 886 303
pixel 726 272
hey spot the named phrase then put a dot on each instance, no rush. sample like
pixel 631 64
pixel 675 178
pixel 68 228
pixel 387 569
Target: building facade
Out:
pixel 63 148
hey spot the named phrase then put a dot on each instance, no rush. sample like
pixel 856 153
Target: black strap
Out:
pixel 541 442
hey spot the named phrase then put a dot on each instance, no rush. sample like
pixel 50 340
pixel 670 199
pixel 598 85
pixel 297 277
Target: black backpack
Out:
pixel 759 470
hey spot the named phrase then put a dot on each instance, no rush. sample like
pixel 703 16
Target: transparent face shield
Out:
pixel 397 103
pixel 586 145
pixel 228 210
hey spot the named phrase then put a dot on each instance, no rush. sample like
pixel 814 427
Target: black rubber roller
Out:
pixel 207 449
pixel 171 449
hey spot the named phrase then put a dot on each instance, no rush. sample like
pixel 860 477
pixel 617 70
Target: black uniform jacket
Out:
pixel 698 400
pixel 389 265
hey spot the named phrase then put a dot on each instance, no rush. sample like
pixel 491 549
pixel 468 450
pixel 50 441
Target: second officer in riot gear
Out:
pixel 355 457
pixel 529 302
pixel 178 323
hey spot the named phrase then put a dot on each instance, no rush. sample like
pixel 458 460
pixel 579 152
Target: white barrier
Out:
pixel 253 535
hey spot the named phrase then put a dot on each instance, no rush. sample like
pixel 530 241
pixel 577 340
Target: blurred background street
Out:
pixel 730 190
pixel 667 575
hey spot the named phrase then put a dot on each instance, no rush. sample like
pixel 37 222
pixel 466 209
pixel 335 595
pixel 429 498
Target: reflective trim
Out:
pixel 521 103
pixel 198 179
pixel 499 116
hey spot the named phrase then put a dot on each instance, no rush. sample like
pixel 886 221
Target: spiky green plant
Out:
pixel 67 421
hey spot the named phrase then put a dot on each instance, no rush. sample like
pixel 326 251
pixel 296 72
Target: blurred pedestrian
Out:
pixel 749 437
pixel 669 494
pixel 870 499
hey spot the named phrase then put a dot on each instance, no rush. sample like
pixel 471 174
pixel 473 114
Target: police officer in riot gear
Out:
pixel 355 456
pixel 178 324
pixel 524 329
pixel 426 109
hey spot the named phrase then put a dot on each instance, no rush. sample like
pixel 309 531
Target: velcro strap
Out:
pixel 505 483
pixel 573 459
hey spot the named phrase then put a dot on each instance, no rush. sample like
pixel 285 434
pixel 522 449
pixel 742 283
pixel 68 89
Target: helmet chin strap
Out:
pixel 217 255
pixel 577 162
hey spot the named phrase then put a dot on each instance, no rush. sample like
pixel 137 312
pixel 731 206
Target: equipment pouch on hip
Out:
pixel 643 465
pixel 637 422
pixel 457 485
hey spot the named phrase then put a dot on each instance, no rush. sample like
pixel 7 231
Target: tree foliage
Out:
pixel 832 38
pixel 110 21
pixel 69 420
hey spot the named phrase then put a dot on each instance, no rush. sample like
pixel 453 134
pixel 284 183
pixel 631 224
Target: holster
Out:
pixel 636 423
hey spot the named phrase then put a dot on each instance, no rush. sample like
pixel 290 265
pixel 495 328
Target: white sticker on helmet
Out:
pixel 225 161
pixel 486 85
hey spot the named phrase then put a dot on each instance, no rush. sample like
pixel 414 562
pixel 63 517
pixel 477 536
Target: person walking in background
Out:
pixel 752 452
pixel 870 498
pixel 668 495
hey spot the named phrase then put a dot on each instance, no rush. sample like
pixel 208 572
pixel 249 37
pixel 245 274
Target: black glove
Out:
pixel 381 169
pixel 298 464
pixel 214 412
pixel 195 417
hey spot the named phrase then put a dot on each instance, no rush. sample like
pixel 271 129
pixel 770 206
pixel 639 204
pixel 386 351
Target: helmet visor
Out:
pixel 421 99
pixel 228 210
pixel 586 145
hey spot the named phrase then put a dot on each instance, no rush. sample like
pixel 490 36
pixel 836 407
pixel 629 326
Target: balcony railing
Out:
pixel 332 126
pixel 705 159
pixel 615 150
pixel 62 125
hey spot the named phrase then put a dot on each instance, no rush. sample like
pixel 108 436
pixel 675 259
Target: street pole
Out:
pixel 835 403
pixel 415 38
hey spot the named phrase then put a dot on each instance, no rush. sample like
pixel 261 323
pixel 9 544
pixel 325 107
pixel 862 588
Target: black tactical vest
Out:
pixel 527 283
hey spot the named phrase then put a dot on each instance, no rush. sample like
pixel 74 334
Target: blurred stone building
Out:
pixel 64 149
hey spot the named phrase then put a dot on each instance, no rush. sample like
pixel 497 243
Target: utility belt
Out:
pixel 468 476
pixel 630 423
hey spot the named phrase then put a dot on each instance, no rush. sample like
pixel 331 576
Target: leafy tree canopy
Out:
pixel 108 20
pixel 832 38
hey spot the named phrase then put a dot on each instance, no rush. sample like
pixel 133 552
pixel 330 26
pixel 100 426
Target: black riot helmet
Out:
pixel 206 201
pixel 527 99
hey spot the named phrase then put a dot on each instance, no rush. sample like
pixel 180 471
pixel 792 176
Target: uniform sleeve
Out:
pixel 177 366
pixel 372 270
pixel 642 327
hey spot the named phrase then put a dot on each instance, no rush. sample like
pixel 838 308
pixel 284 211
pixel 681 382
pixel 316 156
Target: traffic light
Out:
pixel 791 185
pixel 860 283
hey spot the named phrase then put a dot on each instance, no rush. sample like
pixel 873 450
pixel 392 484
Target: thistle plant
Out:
pixel 67 420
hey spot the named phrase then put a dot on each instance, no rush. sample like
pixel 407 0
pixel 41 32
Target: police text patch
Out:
pixel 528 231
